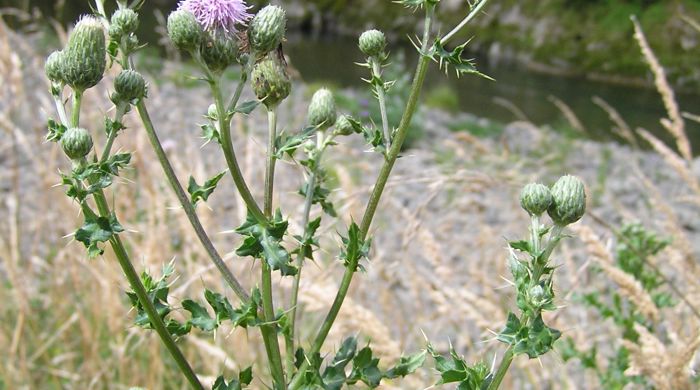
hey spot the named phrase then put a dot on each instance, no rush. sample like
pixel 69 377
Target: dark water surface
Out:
pixel 332 59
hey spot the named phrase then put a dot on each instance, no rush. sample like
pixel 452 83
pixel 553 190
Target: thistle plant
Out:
pixel 221 34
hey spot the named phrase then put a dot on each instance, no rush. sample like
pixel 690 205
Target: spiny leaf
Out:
pixel 288 144
pixel 203 192
pixel 446 59
pixel 55 131
pixel 96 230
pixel 265 243
pixel 200 317
pixel 354 248
pixel 246 108
pixel 210 133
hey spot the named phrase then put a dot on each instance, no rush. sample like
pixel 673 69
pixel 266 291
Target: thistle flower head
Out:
pixel 322 112
pixel 84 60
pixel 372 42
pixel 535 198
pixel 568 200
pixel 270 80
pixel 76 143
pixel 130 85
pixel 218 16
pixel 267 28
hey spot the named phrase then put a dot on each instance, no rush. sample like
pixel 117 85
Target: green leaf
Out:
pixel 334 376
pixel 365 368
pixel 210 133
pixel 288 144
pixel 55 131
pixel 200 317
pixel 96 230
pixel 406 365
pixel 308 241
pixel 456 370
pixel 534 339
pixel 202 193
pixel 265 243
pixel 354 248
pixel 113 126
pixel 523 246
pixel 246 108
pixel 247 315
pixel 320 196
pixel 157 290
pixel 447 59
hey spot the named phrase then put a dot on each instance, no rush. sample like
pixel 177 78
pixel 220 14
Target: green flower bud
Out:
pixel 372 42
pixel 54 67
pixel 322 112
pixel 84 59
pixel 212 112
pixel 535 198
pixel 76 143
pixel 184 30
pixel 266 30
pixel 343 126
pixel 130 85
pixel 124 21
pixel 270 80
pixel 219 52
pixel 569 200
pixel 537 296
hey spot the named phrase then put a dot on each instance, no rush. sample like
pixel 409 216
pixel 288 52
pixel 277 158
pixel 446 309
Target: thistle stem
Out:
pixel 308 202
pixel 381 97
pixel 230 154
pixel 75 112
pixel 502 369
pixel 379 186
pixel 140 291
pixel 269 330
pixel 61 110
pixel 121 110
pixel 472 14
pixel 187 206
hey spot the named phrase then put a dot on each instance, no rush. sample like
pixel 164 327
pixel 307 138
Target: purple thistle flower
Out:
pixel 218 15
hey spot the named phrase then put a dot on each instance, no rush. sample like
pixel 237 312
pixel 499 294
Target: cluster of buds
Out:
pixel 565 202
pixel 81 64
pixel 271 82
pixel 122 29
pixel 208 30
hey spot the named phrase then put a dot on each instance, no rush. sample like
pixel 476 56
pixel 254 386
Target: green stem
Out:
pixel 311 183
pixel 502 370
pixel 371 209
pixel 187 204
pixel 472 14
pixel 269 330
pixel 381 97
pixel 61 110
pixel 270 166
pixel 230 154
pixel 75 113
pixel 121 110
pixel 146 303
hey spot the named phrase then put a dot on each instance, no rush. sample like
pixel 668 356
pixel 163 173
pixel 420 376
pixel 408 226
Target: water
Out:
pixel 333 60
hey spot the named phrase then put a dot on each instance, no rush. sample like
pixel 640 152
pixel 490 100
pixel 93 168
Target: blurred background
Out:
pixel 572 93
pixel 536 50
